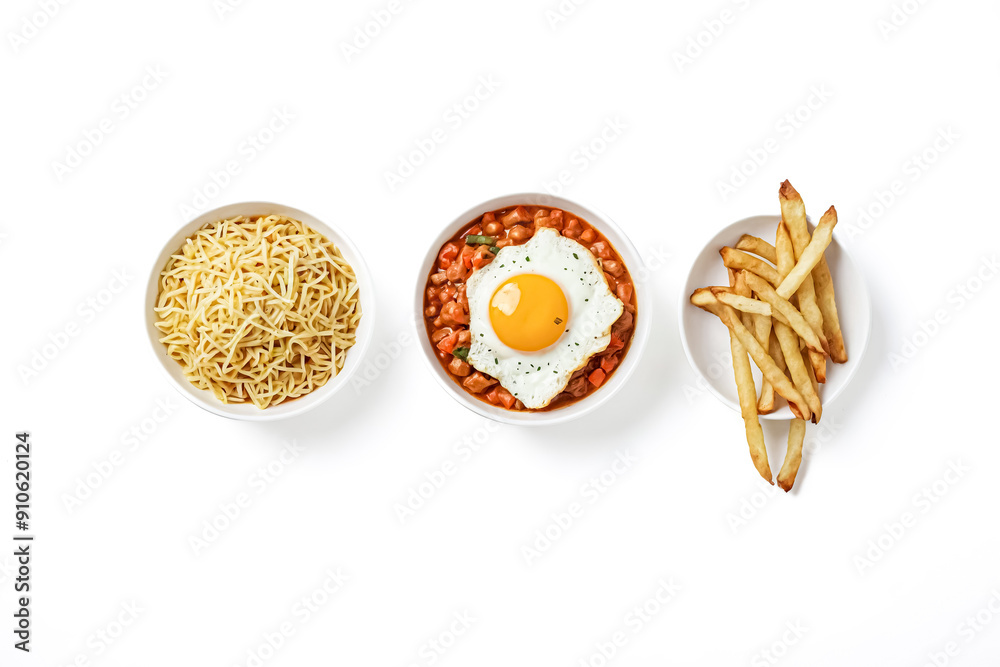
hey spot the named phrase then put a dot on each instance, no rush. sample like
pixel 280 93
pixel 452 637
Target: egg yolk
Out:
pixel 528 312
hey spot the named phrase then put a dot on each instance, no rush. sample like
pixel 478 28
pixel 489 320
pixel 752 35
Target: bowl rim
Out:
pixel 202 397
pixel 643 291
pixel 684 309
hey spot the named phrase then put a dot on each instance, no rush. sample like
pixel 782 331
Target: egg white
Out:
pixel 537 377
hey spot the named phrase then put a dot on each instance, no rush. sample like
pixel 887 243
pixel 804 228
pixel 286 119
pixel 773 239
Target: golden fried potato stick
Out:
pixel 784 252
pixel 793 215
pixel 742 303
pixel 785 262
pixel 793 211
pixel 744 383
pixel 793 455
pixel 739 288
pixel 813 380
pixel 783 306
pixel 817 365
pixel 748 407
pixel 762 331
pixel 761 326
pixel 703 298
pixel 745 305
pixel 826 299
pixel 797 368
pixel 739 260
pixel 775 349
pixel 805 295
pixel 758 247
pixel 811 255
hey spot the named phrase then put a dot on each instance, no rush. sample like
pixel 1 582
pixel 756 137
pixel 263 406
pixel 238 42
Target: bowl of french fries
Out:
pixel 775 317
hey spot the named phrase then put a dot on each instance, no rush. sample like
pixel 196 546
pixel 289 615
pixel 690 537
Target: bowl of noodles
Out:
pixel 258 311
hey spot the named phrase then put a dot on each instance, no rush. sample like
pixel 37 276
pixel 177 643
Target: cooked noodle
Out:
pixel 258 309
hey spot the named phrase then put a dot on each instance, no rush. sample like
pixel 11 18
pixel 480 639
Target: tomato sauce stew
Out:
pixel 446 307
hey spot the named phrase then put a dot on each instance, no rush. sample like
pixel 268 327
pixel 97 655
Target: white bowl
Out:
pixel 706 339
pixel 630 361
pixel 203 398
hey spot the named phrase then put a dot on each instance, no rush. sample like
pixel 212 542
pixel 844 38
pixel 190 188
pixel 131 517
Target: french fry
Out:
pixel 793 215
pixel 793 455
pixel 703 298
pixel 797 369
pixel 757 246
pixel 793 211
pixel 775 349
pixel 826 300
pixel 744 383
pixel 756 323
pixel 811 255
pixel 762 331
pixel 739 285
pixel 745 305
pixel 748 407
pixel 785 250
pixel 739 260
pixel 817 364
pixel 783 306
pixel 814 381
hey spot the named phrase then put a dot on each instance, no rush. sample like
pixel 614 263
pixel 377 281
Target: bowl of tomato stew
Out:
pixel 596 273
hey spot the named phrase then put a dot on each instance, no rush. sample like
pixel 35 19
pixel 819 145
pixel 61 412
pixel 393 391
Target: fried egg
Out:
pixel 537 313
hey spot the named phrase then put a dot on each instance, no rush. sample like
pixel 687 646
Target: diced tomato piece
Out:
pixel 615 344
pixel 625 292
pixel 505 397
pixel 601 249
pixel 572 229
pixel 446 294
pixel 597 377
pixel 556 219
pixel 459 367
pixel 481 257
pixel 456 272
pixel 447 254
pixel 454 313
pixel 467 253
pixel 519 214
pixel 477 382
pixel 448 343
pixel 608 363
pixel 440 334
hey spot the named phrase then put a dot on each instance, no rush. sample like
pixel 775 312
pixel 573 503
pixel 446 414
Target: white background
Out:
pixel 690 509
